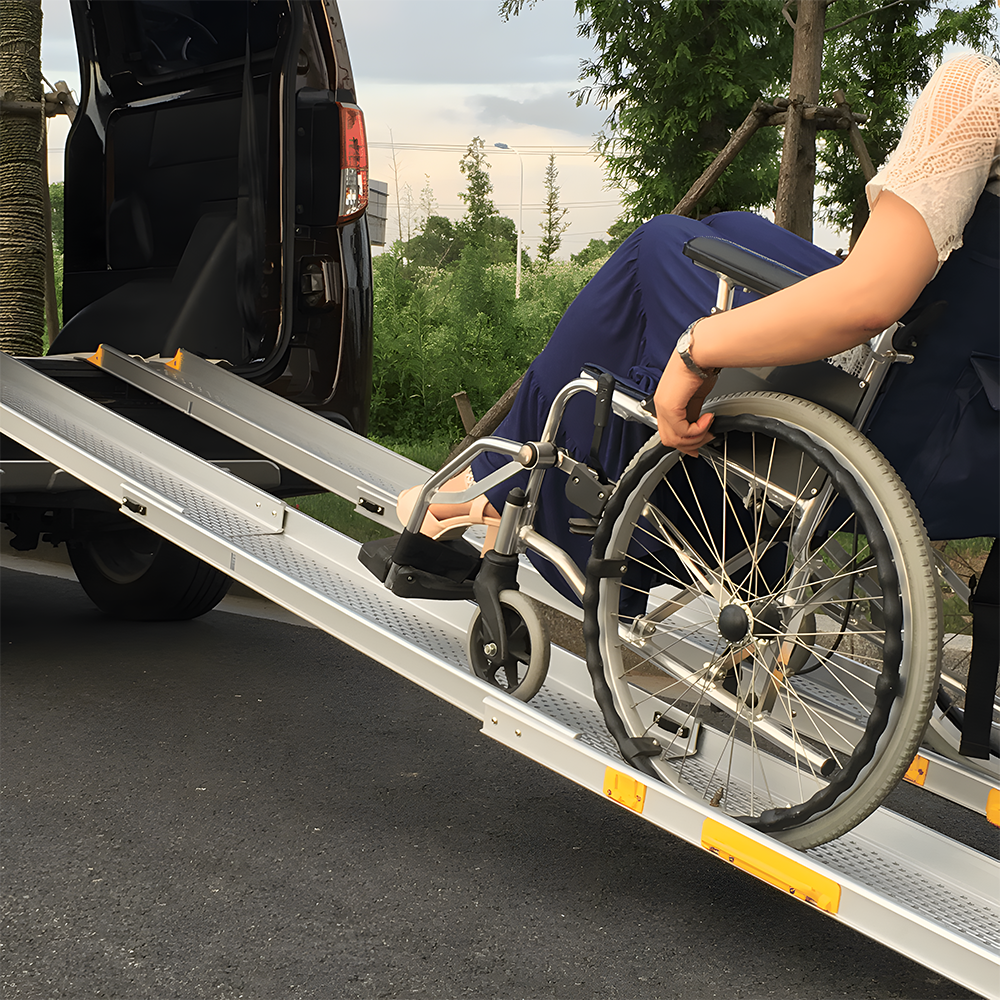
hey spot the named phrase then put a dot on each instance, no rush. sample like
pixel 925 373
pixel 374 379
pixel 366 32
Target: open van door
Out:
pixel 215 189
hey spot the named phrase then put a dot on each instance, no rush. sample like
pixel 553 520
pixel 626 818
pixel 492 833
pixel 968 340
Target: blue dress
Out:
pixel 937 421
pixel 626 319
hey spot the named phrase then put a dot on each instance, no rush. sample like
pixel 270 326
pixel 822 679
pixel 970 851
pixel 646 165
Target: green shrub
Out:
pixel 438 331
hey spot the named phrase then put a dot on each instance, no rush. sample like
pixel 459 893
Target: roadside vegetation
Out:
pixel 446 320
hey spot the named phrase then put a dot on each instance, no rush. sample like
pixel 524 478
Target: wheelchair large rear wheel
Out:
pixel 762 621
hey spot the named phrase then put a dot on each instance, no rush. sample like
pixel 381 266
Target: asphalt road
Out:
pixel 241 808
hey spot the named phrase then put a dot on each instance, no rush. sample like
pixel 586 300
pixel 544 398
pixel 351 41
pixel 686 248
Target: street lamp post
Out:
pixel 520 219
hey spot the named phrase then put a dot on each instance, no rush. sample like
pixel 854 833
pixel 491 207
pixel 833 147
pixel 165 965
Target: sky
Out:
pixel 430 75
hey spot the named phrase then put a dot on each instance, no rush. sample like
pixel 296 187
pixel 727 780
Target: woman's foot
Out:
pixel 450 520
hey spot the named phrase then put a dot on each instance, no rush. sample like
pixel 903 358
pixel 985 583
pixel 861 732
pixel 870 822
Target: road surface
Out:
pixel 238 807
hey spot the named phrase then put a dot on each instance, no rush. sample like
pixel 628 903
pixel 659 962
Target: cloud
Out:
pixel 555 109
pixel 462 41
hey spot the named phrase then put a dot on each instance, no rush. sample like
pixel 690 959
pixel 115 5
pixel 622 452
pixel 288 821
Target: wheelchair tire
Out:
pixel 766 614
pixel 530 649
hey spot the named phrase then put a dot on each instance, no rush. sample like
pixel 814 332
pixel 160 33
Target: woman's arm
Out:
pixel 823 315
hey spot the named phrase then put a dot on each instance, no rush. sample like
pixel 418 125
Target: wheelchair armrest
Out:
pixel 743 267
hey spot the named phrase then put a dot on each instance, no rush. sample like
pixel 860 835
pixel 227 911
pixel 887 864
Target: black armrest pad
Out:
pixel 751 270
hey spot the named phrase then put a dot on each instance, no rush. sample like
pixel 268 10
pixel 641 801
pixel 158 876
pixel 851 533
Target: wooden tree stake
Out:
pixel 857 139
pixel 758 113
pixel 464 409
pixel 491 420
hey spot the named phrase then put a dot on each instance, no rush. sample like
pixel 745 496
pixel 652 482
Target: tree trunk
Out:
pixel 793 207
pixel 22 215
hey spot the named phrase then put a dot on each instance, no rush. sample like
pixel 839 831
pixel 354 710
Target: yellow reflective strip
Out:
pixel 770 866
pixel 624 789
pixel 916 773
pixel 993 806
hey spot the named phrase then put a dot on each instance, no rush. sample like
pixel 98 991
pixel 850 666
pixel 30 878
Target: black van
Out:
pixel 216 183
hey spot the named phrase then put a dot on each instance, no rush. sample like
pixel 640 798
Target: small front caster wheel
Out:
pixel 523 672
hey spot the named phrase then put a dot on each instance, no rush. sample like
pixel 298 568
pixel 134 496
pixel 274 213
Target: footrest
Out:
pixel 418 566
pixel 376 556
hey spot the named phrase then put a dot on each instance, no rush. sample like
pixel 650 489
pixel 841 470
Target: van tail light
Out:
pixel 353 162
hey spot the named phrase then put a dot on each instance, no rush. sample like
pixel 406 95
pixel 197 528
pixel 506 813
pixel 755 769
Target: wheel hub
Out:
pixel 734 622
pixel 759 622
pixel 766 620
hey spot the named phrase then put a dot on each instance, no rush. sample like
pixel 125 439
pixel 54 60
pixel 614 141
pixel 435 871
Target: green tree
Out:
pixel 499 237
pixel 678 76
pixel 881 61
pixel 551 225
pixel 428 203
pixel 595 250
pixel 438 245
pixel 482 225
pixel 22 215
pixel 478 204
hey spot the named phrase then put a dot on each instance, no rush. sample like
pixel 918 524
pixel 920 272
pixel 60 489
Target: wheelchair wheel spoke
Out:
pixel 766 595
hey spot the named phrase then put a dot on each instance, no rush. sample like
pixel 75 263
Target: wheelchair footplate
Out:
pixel 418 566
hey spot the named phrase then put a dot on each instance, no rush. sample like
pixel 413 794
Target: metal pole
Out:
pixel 520 218
pixel 520 229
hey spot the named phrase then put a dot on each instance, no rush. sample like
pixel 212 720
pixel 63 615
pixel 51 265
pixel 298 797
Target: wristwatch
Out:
pixel 683 348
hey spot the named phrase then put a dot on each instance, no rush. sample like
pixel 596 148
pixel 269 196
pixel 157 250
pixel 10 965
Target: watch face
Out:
pixel 684 342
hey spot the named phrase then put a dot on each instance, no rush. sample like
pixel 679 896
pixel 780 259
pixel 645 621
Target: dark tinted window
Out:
pixel 150 40
pixel 179 35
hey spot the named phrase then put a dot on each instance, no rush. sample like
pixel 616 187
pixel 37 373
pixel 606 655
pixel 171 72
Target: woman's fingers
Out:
pixel 677 432
pixel 678 401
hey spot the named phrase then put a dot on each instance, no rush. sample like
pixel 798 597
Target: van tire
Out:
pixel 133 574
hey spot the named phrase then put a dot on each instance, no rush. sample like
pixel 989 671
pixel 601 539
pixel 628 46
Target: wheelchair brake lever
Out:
pixel 602 413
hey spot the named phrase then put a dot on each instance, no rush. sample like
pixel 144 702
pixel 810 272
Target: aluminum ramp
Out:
pixel 914 890
pixel 371 477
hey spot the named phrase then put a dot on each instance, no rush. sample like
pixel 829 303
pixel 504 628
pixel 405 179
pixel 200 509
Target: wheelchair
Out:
pixel 763 624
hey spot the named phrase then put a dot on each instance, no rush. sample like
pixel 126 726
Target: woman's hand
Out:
pixel 678 399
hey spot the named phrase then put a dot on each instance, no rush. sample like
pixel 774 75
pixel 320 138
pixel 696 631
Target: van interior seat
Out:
pixel 171 236
pixel 195 309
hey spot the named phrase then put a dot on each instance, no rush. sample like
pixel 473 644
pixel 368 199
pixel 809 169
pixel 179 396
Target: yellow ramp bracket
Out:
pixel 916 773
pixel 624 789
pixel 767 864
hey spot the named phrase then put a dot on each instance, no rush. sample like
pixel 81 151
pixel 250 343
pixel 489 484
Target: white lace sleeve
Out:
pixel 949 150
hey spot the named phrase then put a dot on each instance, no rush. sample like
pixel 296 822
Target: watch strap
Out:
pixel 685 353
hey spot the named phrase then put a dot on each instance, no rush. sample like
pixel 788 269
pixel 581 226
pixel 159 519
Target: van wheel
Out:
pixel 131 573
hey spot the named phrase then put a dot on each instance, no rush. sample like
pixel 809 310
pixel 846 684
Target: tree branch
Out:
pixel 867 13
pixel 511 8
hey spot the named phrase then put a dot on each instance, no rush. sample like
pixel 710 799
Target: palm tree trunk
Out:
pixel 22 214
